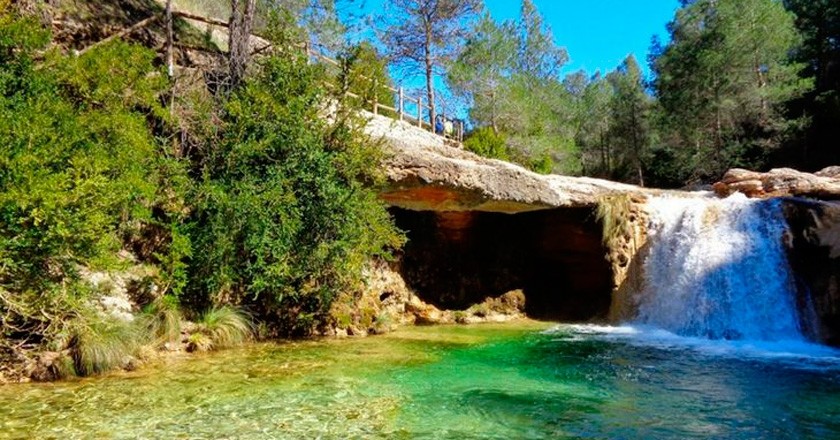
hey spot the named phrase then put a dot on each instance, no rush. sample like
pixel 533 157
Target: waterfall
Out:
pixel 717 269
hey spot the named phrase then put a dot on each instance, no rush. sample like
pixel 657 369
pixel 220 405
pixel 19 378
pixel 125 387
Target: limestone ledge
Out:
pixel 427 172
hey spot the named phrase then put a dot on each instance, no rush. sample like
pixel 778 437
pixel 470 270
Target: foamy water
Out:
pixel 717 269
pixel 798 353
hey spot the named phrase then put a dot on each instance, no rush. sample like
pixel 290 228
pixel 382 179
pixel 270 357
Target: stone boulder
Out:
pixel 781 182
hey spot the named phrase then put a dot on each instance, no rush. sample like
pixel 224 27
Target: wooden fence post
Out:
pixel 420 112
pixel 375 97
pixel 400 111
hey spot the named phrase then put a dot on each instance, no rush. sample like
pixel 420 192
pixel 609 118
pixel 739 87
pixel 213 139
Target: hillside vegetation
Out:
pixel 232 199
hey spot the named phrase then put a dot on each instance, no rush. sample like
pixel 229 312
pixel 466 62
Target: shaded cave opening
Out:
pixel 556 257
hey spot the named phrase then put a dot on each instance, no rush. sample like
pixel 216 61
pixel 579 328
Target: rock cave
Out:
pixel 454 259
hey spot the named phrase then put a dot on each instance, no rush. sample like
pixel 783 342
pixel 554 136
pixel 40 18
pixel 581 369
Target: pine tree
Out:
pixel 722 81
pixel 629 109
pixel 428 34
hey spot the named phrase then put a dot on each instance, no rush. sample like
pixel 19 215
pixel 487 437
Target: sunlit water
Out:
pixel 521 380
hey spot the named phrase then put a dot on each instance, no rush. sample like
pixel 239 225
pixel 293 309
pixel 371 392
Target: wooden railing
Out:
pixel 449 128
pixel 418 117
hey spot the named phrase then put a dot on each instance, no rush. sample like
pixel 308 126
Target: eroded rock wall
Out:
pixel 814 255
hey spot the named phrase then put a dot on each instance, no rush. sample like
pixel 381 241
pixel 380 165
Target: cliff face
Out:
pixel 426 174
pixel 814 255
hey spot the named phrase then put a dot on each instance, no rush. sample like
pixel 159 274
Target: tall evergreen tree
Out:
pixel 593 121
pixel 501 71
pixel 629 108
pixel 480 71
pixel 818 21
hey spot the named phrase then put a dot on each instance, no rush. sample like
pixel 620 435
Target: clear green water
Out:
pixel 493 381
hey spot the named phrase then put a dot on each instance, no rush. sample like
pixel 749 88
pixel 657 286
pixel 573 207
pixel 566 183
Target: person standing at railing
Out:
pixel 439 124
pixel 448 127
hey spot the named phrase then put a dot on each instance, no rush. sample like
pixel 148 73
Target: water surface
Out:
pixel 521 380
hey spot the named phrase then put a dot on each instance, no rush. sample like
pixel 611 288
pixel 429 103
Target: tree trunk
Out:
pixel 239 35
pixel 430 88
pixel 637 147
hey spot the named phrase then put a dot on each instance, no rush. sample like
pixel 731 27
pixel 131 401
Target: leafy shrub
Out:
pixel 486 142
pixel 543 165
pixel 365 73
pixel 285 218
pixel 81 169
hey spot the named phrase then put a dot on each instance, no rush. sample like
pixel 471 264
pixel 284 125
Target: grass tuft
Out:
pixel 99 344
pixel 221 327
pixel 162 319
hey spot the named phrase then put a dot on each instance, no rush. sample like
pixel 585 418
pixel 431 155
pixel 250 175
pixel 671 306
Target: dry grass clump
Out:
pixel 162 319
pixel 616 214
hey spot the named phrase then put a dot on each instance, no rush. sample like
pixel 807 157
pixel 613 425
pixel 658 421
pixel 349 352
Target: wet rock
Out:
pixel 814 255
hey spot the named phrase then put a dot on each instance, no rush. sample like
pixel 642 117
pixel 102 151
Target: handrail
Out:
pixel 457 132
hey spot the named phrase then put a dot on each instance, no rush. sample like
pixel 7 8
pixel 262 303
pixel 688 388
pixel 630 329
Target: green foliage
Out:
pixel 722 82
pixel 629 130
pixel 502 68
pixel 543 165
pixel 365 73
pixel 284 220
pixel 82 169
pixel 818 23
pixel 485 142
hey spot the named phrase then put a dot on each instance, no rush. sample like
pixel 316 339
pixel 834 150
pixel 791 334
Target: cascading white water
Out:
pixel 717 269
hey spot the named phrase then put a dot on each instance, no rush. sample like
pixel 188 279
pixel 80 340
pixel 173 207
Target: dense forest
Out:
pixel 750 84
pixel 234 201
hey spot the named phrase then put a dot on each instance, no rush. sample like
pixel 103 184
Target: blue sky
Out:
pixel 598 34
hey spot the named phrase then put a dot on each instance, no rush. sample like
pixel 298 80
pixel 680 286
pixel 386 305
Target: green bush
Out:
pixel 82 168
pixel 284 218
pixel 486 142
